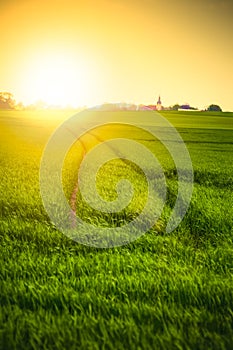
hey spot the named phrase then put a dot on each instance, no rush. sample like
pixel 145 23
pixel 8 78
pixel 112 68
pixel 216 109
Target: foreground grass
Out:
pixel 163 291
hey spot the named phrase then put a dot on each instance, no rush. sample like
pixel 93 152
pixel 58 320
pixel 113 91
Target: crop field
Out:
pixel 161 291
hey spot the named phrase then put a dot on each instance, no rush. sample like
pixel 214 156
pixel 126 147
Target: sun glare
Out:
pixel 58 80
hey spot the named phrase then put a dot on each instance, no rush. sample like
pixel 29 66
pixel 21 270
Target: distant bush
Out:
pixel 214 108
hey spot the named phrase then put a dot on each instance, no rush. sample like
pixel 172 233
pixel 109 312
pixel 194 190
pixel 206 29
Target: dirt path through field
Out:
pixel 73 197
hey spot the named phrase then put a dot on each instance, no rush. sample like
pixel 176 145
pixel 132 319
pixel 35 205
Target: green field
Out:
pixel 162 291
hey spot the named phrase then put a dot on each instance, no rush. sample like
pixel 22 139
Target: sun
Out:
pixel 58 80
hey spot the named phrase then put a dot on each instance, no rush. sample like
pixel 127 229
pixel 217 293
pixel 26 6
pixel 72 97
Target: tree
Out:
pixel 214 108
pixel 175 107
pixel 6 100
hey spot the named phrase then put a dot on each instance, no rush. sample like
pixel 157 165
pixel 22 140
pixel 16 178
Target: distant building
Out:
pixel 159 106
pixel 186 107
pixel 156 107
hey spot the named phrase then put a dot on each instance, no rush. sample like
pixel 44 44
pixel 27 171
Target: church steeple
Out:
pixel 159 104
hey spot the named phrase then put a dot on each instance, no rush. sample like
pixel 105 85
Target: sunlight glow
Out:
pixel 58 80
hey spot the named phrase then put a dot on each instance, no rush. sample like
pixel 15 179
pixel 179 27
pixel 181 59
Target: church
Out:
pixel 159 106
pixel 156 107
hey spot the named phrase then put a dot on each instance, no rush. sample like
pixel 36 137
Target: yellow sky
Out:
pixel 86 52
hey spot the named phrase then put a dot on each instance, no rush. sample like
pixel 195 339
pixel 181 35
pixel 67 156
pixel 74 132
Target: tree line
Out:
pixel 210 108
pixel 7 101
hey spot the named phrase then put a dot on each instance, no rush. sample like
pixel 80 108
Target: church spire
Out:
pixel 159 104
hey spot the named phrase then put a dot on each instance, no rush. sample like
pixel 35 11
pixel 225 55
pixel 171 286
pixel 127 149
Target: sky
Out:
pixel 87 52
